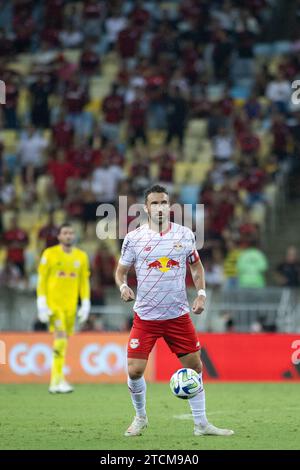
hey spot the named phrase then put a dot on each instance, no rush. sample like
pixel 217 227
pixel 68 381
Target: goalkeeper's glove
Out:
pixel 84 310
pixel 44 311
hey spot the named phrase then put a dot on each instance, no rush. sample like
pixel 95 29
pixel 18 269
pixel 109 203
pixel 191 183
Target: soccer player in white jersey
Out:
pixel 159 250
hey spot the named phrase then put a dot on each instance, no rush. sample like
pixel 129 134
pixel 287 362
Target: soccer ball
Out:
pixel 185 383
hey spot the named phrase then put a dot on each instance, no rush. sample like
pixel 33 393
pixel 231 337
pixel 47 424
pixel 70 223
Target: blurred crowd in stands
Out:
pixel 104 98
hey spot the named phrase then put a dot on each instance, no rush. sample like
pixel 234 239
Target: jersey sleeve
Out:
pixel 127 252
pixel 43 272
pixel 84 287
pixel 192 253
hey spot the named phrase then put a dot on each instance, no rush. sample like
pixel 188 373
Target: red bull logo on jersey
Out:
pixel 164 264
pixel 178 246
pixel 64 274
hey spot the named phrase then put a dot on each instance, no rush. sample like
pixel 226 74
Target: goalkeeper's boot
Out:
pixel 65 387
pixel 54 388
pixel 137 426
pixel 211 430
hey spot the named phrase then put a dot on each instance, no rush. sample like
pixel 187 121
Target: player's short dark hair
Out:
pixel 64 225
pixel 157 188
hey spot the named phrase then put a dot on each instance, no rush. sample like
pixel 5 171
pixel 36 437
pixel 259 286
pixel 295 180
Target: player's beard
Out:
pixel 160 219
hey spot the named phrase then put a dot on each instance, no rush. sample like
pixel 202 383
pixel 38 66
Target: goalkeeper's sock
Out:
pixel 197 405
pixel 58 360
pixel 137 390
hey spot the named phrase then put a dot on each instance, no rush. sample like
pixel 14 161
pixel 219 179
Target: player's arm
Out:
pixel 127 294
pixel 198 276
pixel 43 273
pixel 126 261
pixel 197 272
pixel 84 290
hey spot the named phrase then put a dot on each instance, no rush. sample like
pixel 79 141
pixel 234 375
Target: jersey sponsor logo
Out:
pixel 148 248
pixel 178 246
pixel 64 274
pixel 164 264
pixel 134 343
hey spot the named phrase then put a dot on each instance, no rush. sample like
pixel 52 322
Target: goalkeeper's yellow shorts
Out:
pixel 62 320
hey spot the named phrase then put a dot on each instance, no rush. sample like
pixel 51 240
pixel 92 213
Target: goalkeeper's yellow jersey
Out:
pixel 63 277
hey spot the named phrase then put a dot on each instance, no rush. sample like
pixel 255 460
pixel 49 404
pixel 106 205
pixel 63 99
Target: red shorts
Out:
pixel 179 334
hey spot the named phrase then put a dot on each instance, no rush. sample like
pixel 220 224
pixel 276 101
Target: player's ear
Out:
pixel 146 209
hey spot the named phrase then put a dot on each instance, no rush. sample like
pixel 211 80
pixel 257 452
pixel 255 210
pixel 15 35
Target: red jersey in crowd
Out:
pixel 54 13
pixel 137 113
pixel 249 142
pixel 82 159
pixel 15 241
pixel 89 61
pixel 253 181
pixel 63 134
pixel 61 172
pixel 221 215
pixel 76 98
pixel 11 95
pixel 128 42
pixel 104 266
pixel 113 107
pixel 93 10
pixel 49 235
pixel 140 17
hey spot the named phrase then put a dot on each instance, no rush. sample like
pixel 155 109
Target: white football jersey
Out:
pixel 160 264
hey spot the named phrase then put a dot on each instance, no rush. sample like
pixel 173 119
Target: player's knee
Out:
pixel 135 371
pixel 135 374
pixel 136 368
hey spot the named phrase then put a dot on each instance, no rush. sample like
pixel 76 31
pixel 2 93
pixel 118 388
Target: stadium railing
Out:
pixel 240 310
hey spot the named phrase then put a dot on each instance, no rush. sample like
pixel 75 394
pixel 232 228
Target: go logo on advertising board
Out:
pixel 27 359
pixel 109 359
pixel 2 353
pixel 94 358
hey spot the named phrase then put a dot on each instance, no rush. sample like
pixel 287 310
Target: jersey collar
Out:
pixel 164 232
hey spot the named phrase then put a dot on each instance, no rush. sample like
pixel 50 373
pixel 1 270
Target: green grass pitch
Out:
pixel 263 416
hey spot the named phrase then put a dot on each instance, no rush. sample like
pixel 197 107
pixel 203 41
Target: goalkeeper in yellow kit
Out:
pixel 63 277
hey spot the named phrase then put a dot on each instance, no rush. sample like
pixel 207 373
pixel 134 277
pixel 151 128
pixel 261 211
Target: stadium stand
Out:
pixel 105 97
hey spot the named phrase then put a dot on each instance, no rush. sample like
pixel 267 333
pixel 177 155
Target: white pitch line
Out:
pixel 188 416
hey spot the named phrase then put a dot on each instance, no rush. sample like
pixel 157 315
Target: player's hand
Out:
pixel 198 305
pixel 44 311
pixel 84 310
pixel 127 294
